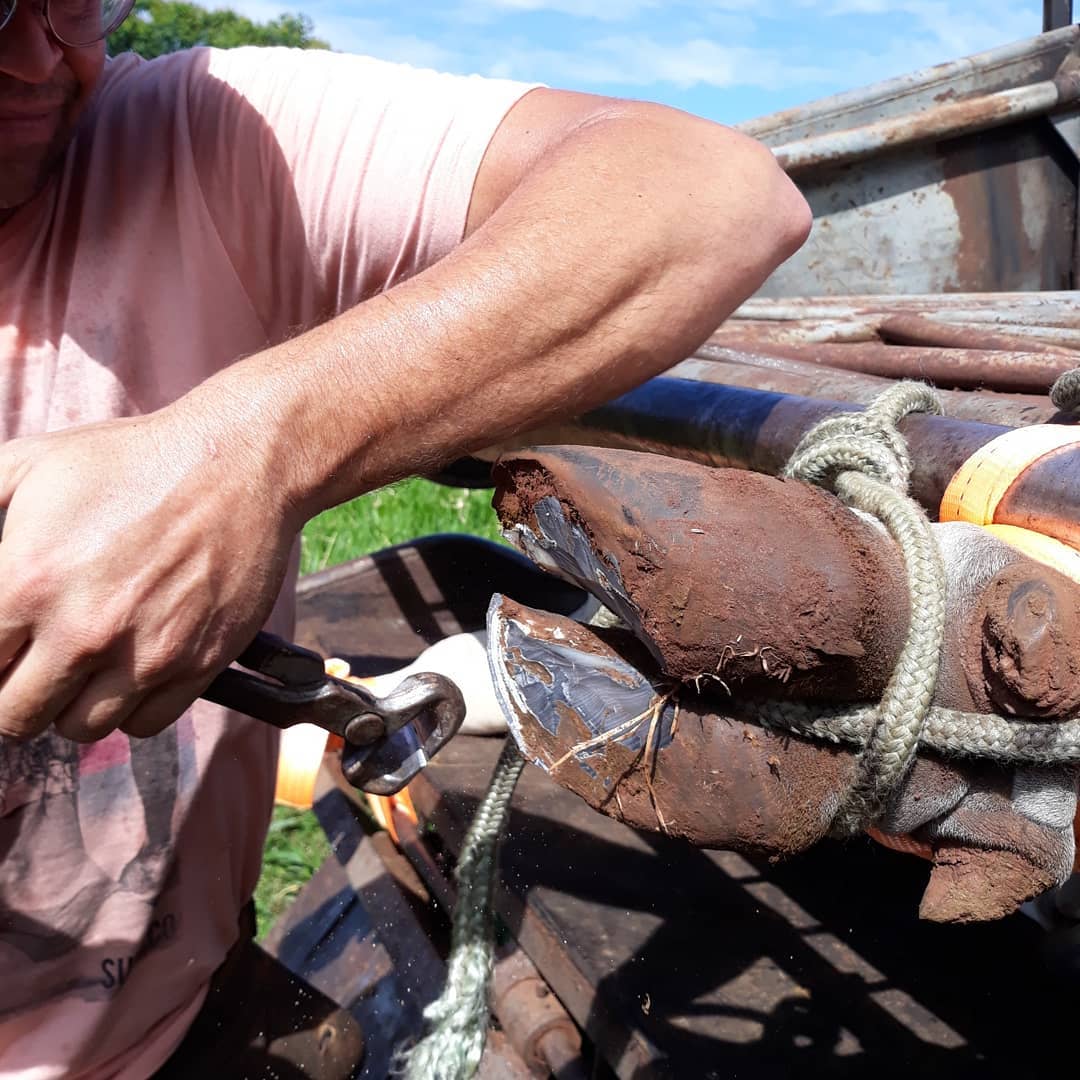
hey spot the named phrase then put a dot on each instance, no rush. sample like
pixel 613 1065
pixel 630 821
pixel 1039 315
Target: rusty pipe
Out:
pixel 902 328
pixel 920 330
pixel 944 121
pixel 752 429
pixel 776 588
pixel 797 331
pixel 534 1020
pixel 1027 311
pixel 785 375
pixel 756 430
pixel 956 369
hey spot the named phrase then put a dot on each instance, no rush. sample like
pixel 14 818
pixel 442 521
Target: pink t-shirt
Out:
pixel 211 204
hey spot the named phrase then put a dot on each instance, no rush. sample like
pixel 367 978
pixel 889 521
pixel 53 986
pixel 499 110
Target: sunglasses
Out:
pixel 76 23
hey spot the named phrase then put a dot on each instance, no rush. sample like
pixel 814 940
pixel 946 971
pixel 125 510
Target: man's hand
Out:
pixel 605 241
pixel 138 558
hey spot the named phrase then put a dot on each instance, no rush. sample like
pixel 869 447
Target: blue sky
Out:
pixel 728 60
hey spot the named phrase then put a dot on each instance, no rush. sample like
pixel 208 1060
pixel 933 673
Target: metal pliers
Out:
pixel 388 740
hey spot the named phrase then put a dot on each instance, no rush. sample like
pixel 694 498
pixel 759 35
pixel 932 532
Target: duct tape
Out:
pixel 979 485
pixel 301 750
pixel 300 755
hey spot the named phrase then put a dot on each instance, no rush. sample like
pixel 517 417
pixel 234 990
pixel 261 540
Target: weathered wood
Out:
pixel 383 610
pixel 351 934
pixel 686 963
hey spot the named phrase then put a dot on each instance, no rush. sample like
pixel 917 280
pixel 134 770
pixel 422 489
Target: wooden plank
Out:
pixel 350 933
pixel 419 970
pixel 381 611
pixel 680 962
pixel 686 963
pixel 353 934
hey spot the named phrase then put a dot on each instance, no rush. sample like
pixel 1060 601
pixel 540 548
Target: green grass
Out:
pixel 295 849
pixel 392 516
pixel 296 845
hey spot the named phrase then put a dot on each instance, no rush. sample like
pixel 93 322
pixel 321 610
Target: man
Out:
pixel 411 266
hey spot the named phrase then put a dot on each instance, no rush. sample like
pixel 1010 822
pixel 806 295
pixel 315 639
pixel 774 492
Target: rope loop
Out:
pixel 867 442
pixel 457 1021
pixel 864 459
pixel 1065 393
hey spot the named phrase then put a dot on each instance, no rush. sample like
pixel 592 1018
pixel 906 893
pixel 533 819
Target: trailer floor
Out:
pixel 684 963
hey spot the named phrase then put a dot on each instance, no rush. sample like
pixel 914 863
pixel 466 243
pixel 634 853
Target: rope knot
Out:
pixel 864 459
pixel 865 442
pixel 1065 393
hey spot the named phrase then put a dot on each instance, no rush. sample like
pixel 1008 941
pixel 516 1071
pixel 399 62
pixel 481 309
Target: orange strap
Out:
pixel 301 752
pixel 980 483
pixel 386 808
pixel 1044 549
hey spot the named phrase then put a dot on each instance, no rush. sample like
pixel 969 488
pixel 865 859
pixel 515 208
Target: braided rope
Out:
pixel 1065 393
pixel 949 732
pixel 864 459
pixel 458 1019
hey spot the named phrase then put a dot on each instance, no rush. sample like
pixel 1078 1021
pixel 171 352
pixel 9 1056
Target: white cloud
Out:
pixel 803 47
pixel 958 28
pixel 356 34
pixel 603 10
pixel 641 61
pixel 374 37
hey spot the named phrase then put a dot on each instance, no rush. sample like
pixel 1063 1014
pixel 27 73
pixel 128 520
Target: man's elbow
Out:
pixel 794 216
pixel 770 212
pixel 735 197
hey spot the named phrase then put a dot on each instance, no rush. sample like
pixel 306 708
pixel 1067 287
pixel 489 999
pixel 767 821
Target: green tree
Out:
pixel 164 26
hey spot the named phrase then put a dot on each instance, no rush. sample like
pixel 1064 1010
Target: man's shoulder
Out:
pixel 129 74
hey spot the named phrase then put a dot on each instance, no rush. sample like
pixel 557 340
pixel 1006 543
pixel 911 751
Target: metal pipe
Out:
pixel 826 111
pixel 533 1019
pixel 902 328
pixel 751 429
pixel 919 330
pixel 1062 339
pixel 1043 500
pixel 941 122
pixel 798 331
pixel 1034 310
pixel 785 375
pixel 953 369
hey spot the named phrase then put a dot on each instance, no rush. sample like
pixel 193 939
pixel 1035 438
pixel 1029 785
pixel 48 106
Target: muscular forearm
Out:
pixel 590 264
pixel 626 245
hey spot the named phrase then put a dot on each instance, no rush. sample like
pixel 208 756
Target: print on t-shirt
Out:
pixel 53 794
